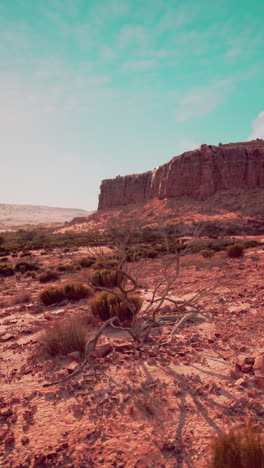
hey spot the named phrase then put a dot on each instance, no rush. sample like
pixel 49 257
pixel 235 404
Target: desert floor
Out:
pixel 158 405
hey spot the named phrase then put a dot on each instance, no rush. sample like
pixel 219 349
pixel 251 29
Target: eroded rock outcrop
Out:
pixel 196 174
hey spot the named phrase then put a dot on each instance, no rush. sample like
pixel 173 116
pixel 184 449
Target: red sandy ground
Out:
pixel 157 406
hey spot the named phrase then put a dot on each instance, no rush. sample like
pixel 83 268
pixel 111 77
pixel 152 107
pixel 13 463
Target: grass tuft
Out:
pixel 64 337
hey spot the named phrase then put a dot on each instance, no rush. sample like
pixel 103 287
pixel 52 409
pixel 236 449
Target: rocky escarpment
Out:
pixel 196 174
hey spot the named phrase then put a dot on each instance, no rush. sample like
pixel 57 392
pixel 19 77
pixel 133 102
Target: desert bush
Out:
pixel 235 251
pixel 4 259
pixel 247 244
pixel 47 276
pixel 244 449
pixel 6 270
pixel 105 305
pixel 87 262
pixel 107 262
pixel 66 267
pixel 64 337
pixel 76 291
pixel 105 278
pixel 21 299
pixel 22 267
pixel 25 254
pixel 207 253
pixel 52 295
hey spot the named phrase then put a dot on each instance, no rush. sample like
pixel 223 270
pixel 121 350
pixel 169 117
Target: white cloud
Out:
pixel 201 100
pixel 258 127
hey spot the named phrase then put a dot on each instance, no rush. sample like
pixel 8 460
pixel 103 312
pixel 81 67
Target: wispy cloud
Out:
pixel 139 65
pixel 133 35
pixel 258 127
pixel 201 100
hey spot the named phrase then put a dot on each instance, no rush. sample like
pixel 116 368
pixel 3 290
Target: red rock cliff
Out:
pixel 196 174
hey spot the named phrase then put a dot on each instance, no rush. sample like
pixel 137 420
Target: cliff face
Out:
pixel 196 174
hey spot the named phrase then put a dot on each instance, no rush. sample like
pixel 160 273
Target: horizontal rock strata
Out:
pixel 196 174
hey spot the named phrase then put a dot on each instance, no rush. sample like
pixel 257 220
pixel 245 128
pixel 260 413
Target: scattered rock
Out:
pixel 25 440
pixel 6 337
pixel 74 356
pixel 241 382
pixel 103 350
pixel 72 366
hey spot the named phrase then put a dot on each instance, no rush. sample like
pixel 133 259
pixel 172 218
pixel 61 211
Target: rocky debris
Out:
pixel 72 366
pixel 103 350
pixel 6 337
pixel 74 356
pixel 259 371
pixel 197 174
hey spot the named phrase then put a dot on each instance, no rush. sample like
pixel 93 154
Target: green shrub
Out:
pixel 48 276
pixel 244 449
pixel 25 266
pixel 6 270
pixel 76 291
pixel 235 251
pixel 87 262
pixel 64 337
pixel 52 295
pixel 105 305
pixel 105 278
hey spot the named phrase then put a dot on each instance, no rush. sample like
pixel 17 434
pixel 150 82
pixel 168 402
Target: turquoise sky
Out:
pixel 91 89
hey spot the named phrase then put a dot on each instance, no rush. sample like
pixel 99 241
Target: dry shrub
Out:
pixel 22 267
pixel 47 276
pixel 6 270
pixel 52 295
pixel 207 253
pixel 107 262
pixel 235 251
pixel 71 291
pixel 244 449
pixel 20 299
pixel 76 291
pixel 105 278
pixel 105 305
pixel 64 337
pixel 87 262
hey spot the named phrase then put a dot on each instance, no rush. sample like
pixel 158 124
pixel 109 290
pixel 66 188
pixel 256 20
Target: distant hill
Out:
pixel 18 216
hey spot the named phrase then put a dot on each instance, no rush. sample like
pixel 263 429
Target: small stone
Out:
pixel 72 367
pixel 10 439
pixel 103 350
pixel 242 349
pixel 6 337
pixel 235 374
pixel 246 368
pixel 249 360
pixel 241 382
pixel 25 440
pixel 74 356
pixel 48 316
pixel 259 382
pixel 259 365
pixel 5 413
pixel 3 431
